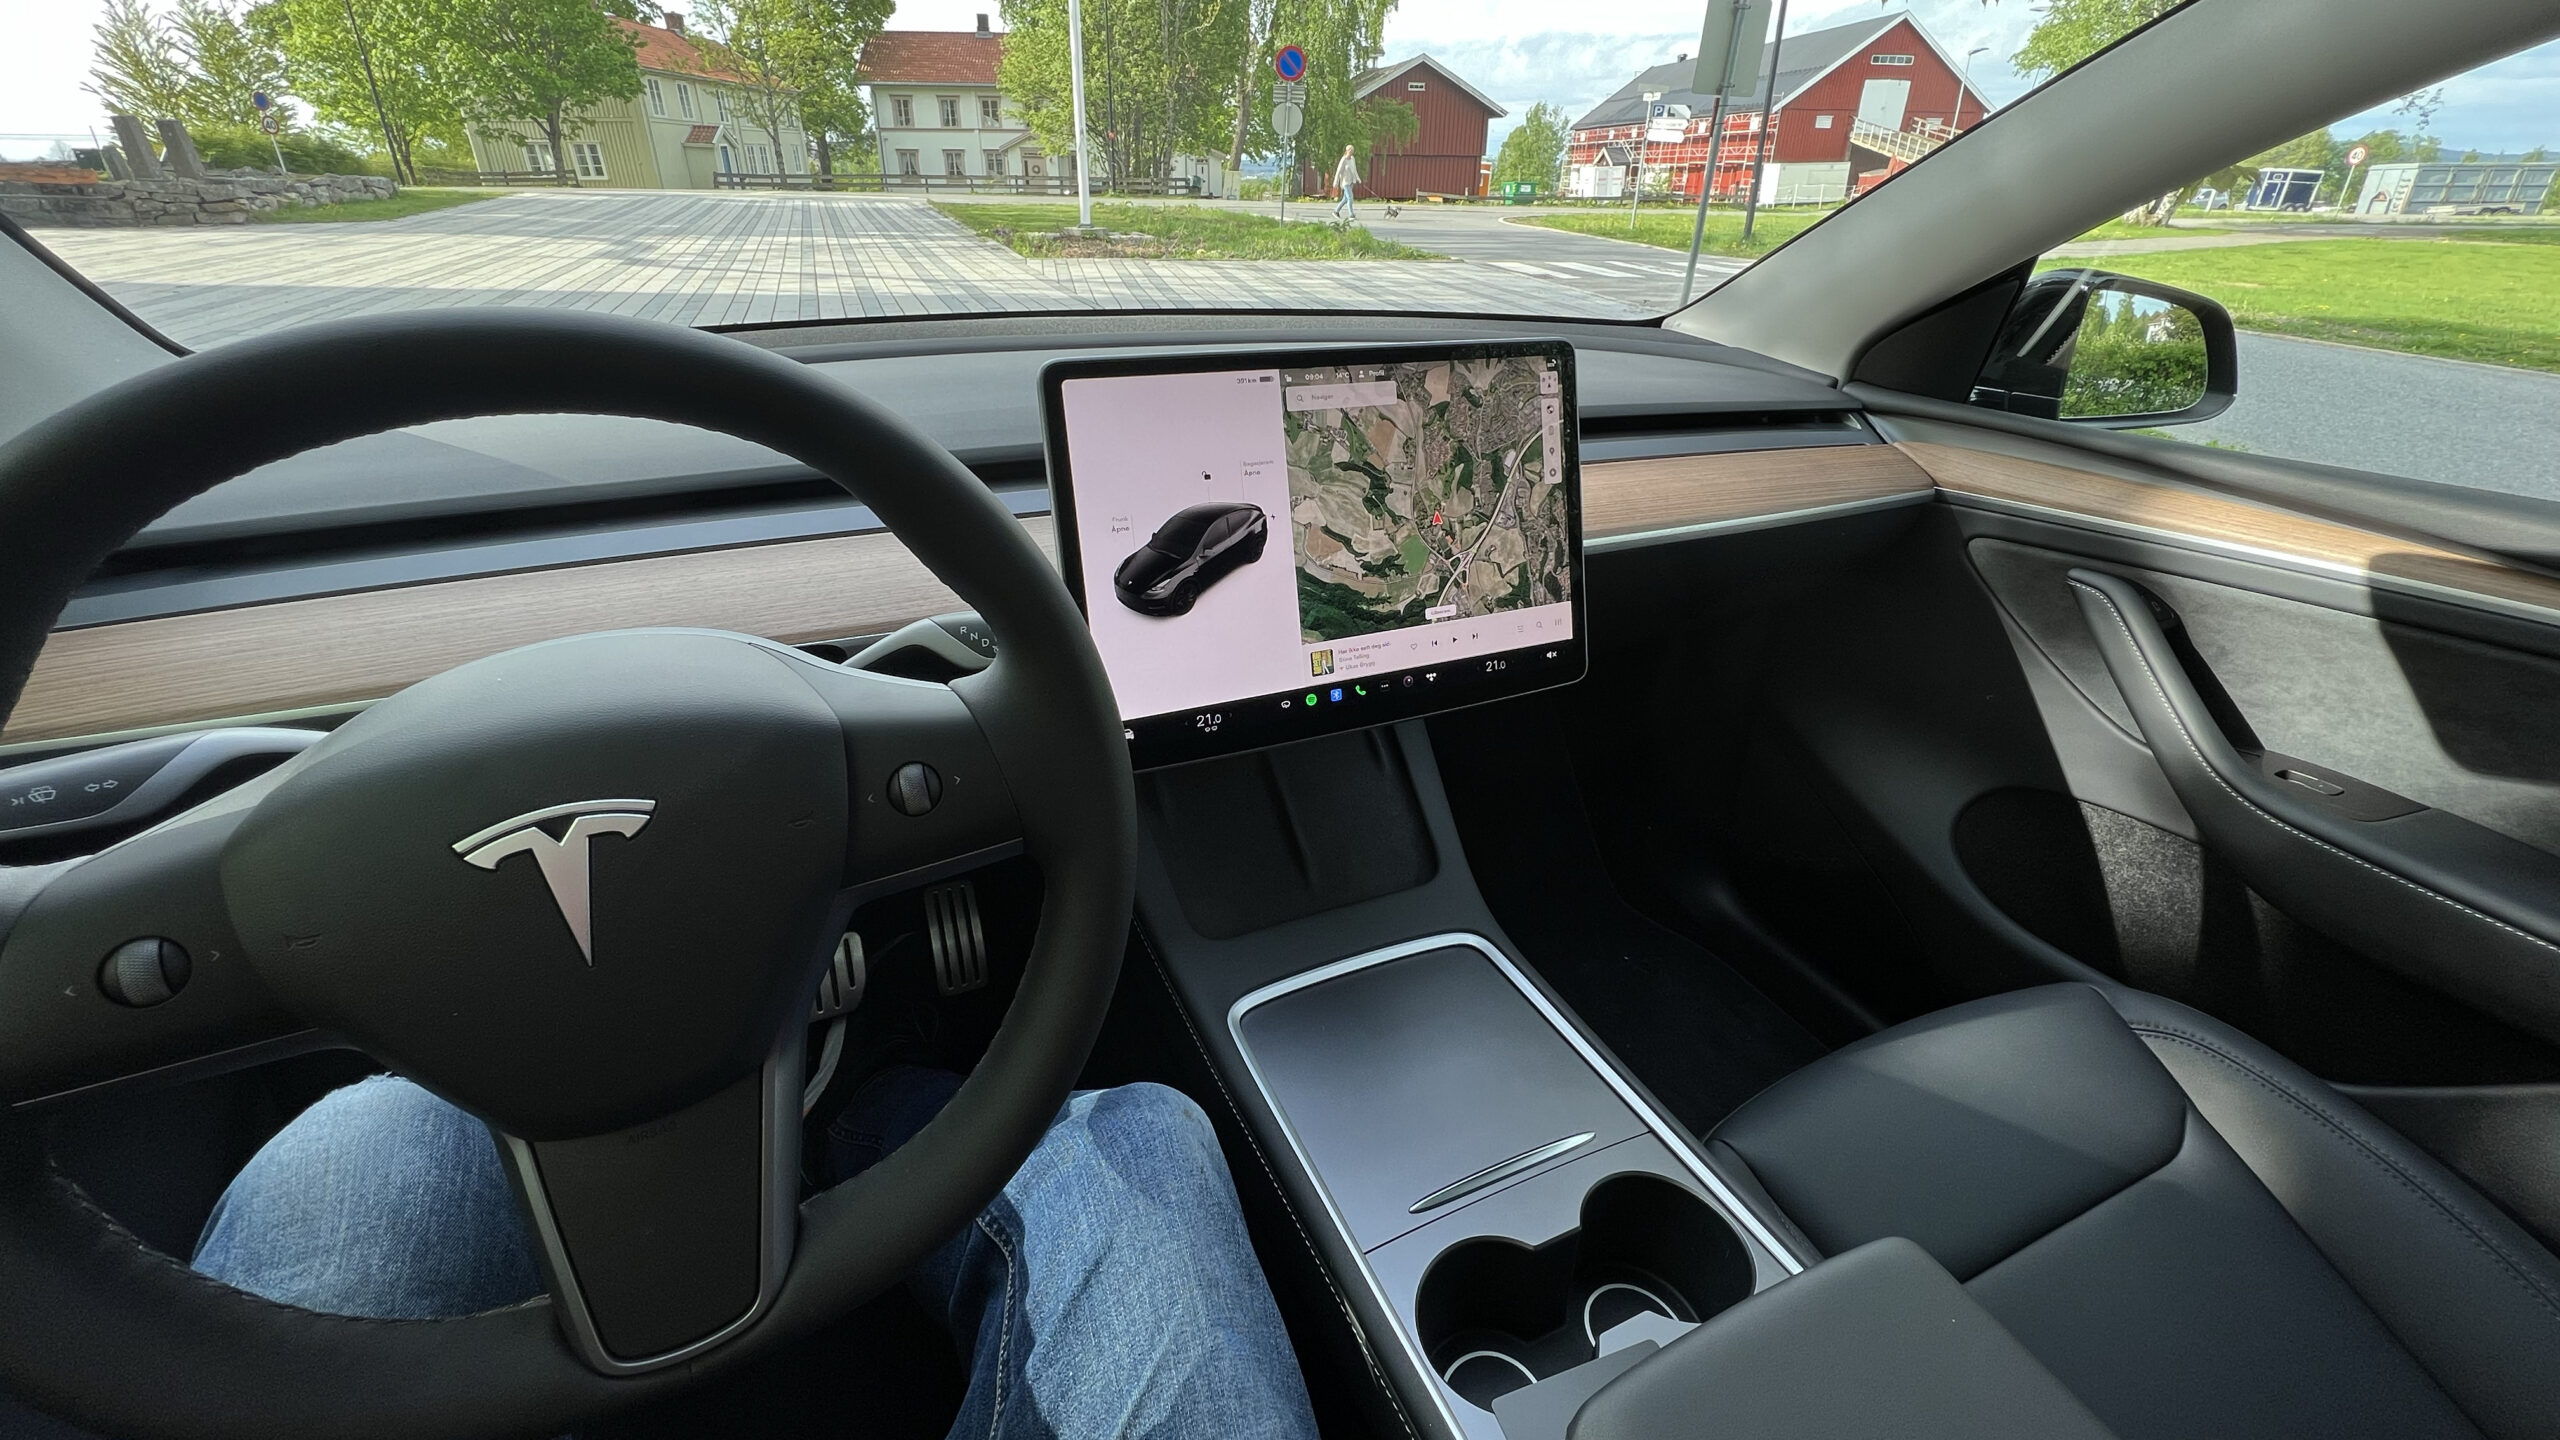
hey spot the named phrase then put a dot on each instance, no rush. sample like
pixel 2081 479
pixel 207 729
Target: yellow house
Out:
pixel 691 122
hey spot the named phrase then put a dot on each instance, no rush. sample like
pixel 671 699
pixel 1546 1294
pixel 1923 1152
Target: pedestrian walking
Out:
pixel 1346 175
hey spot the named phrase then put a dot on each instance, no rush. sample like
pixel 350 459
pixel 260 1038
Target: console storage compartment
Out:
pixel 1521 1214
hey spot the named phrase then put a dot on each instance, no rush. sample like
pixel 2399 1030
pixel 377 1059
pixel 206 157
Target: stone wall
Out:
pixel 227 197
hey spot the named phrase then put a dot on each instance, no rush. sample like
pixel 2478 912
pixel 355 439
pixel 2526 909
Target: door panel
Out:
pixel 1882 102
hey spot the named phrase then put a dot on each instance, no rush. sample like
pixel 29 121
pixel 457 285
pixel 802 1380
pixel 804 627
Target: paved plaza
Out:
pixel 739 259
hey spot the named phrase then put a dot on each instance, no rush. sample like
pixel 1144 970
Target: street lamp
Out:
pixel 1964 84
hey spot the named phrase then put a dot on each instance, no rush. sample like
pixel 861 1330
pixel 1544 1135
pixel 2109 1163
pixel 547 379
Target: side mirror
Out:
pixel 2111 350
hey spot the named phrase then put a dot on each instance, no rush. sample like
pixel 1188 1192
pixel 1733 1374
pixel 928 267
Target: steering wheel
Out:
pixel 582 889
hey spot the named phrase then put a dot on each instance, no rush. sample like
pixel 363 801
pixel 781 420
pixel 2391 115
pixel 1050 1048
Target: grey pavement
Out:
pixel 725 259
pixel 2451 421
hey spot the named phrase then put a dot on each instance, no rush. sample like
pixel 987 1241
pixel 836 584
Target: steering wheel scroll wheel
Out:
pixel 582 889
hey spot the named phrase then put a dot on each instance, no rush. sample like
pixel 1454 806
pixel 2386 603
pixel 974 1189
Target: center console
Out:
pixel 1285 559
pixel 1529 1220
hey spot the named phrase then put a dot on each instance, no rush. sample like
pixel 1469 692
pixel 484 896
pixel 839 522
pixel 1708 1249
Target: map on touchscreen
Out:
pixel 1424 492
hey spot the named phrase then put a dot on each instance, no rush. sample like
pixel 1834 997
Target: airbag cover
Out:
pixel 705 797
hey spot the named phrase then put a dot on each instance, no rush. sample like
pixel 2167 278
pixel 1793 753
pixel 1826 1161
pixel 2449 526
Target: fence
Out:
pixel 949 184
pixel 428 176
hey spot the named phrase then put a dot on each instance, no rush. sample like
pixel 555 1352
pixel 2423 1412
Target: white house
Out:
pixel 940 113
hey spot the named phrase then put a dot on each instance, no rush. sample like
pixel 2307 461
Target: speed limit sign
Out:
pixel 2357 156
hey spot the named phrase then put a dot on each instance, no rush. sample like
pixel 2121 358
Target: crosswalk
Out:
pixel 1635 277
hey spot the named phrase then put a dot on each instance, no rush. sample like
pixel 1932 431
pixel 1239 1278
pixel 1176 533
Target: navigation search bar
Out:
pixel 1339 395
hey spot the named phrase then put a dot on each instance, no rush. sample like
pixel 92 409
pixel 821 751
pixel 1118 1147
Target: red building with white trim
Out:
pixel 1854 103
pixel 1446 154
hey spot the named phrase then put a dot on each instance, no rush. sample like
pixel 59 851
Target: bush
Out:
pixel 246 147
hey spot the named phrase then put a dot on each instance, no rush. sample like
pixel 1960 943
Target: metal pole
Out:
pixel 1706 192
pixel 1768 121
pixel 364 57
pixel 1715 151
pixel 1075 80
pixel 1644 150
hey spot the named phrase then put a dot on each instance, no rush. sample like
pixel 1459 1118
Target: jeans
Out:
pixel 1344 209
pixel 1110 1290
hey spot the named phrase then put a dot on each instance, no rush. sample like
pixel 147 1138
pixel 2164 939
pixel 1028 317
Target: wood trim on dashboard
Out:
pixel 340 649
pixel 2181 510
pixel 1630 497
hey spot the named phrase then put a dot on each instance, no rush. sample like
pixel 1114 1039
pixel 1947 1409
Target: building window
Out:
pixel 757 161
pixel 1888 59
pixel 588 156
pixel 537 155
pixel 657 96
pixel 720 103
pixel 910 162
pixel 684 99
pixel 902 111
pixel 950 111
pixel 1416 85
pixel 955 163
pixel 1821 122
pixel 990 111
pixel 995 162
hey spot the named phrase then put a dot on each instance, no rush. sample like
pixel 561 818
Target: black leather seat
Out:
pixel 2198 1237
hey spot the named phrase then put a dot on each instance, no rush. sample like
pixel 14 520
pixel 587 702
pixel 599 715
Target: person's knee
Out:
pixel 1151 1137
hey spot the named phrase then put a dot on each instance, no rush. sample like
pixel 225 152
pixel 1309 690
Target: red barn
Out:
pixel 1446 155
pixel 1853 104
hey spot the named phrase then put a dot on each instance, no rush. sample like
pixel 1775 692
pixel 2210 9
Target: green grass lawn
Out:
pixel 414 200
pixel 1174 232
pixel 1669 226
pixel 2463 299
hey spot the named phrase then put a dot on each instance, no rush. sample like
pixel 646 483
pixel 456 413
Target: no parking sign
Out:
pixel 1291 62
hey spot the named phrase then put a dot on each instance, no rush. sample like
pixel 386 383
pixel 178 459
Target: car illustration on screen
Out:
pixel 1195 549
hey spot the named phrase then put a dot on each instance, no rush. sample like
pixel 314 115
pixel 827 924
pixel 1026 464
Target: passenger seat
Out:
pixel 2198 1237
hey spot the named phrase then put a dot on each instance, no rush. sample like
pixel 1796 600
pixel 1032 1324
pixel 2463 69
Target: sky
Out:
pixel 1509 49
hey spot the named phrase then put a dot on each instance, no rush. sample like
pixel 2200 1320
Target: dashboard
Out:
pixel 314 586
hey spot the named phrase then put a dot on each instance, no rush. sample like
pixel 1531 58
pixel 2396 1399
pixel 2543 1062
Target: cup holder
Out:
pixel 1496 1316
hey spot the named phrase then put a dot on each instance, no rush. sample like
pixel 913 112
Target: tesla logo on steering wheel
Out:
pixel 563 861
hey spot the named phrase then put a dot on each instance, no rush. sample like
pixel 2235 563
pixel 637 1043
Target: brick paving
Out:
pixel 718 259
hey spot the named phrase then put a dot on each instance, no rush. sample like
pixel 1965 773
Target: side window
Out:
pixel 657 96
pixel 684 99
pixel 990 112
pixel 950 111
pixel 2393 278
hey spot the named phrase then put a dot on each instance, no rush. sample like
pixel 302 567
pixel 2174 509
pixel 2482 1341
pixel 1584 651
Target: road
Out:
pixel 1644 276
pixel 2485 426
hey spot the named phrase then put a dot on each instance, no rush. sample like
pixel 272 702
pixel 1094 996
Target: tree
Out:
pixel 340 56
pixel 2073 30
pixel 1155 77
pixel 228 63
pixel 136 68
pixel 539 60
pixel 789 51
pixel 1533 153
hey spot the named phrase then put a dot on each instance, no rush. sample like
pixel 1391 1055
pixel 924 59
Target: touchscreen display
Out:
pixel 1271 547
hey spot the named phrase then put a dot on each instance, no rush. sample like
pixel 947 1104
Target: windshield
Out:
pixel 225 167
